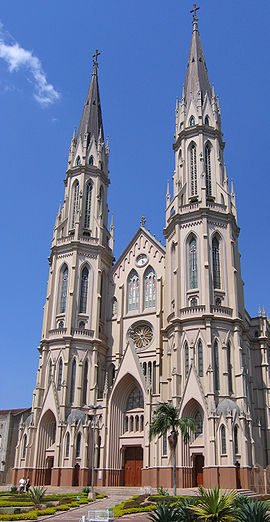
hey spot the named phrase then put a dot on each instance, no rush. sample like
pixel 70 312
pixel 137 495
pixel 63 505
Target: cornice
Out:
pixel 195 130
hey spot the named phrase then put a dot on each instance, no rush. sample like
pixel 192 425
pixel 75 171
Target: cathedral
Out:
pixel 162 323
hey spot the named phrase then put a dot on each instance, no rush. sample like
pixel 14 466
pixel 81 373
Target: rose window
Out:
pixel 141 335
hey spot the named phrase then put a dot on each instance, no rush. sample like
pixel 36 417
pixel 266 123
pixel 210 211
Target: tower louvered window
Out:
pixel 216 263
pixel 75 203
pixel 216 366
pixel 200 359
pixel 208 169
pixel 193 170
pixel 63 298
pixel 73 380
pixel 84 290
pixel 150 288
pixel 88 198
pixel 133 291
pixel 193 274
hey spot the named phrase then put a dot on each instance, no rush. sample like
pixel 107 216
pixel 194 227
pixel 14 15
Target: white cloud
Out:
pixel 19 58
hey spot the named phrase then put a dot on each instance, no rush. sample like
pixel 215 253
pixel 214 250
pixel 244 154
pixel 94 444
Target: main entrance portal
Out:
pixel 198 470
pixel 133 463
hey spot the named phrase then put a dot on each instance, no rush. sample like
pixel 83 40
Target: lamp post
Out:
pixel 94 407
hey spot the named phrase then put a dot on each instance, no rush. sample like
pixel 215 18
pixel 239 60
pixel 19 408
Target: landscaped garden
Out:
pixel 36 503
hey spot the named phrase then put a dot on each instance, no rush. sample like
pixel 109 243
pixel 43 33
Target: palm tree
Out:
pixel 166 418
pixel 215 505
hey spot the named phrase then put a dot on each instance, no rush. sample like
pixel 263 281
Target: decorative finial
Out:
pixel 143 221
pixel 195 8
pixel 97 53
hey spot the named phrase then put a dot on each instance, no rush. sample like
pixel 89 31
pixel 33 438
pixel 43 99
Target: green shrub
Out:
pixel 164 513
pixel 119 512
pixel 15 503
pixel 99 495
pixel 37 494
pixel 46 511
pixel 254 511
pixel 63 507
pixel 86 490
pixel 31 515
pixel 13 489
pixel 162 492
pixel 167 498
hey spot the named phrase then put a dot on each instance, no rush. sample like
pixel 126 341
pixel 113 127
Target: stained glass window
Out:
pixel 199 424
pixel 216 366
pixel 223 439
pixel 193 275
pixel 84 290
pixel 229 368
pixel 135 400
pixel 236 447
pixel 88 198
pixel 133 291
pixel 216 263
pixel 150 288
pixel 208 169
pixel 186 359
pixel 193 170
pixel 78 445
pixel 24 446
pixel 73 379
pixel 67 444
pixel 60 374
pixel 85 383
pixel 200 359
pixel 75 203
pixel 192 121
pixel 63 298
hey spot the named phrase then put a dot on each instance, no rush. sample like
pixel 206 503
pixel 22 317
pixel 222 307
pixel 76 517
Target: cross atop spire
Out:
pixel 97 53
pixel 143 221
pixel 195 8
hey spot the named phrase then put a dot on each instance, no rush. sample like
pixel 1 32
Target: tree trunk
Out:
pixel 174 471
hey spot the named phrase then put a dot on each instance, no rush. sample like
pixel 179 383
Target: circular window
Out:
pixel 141 260
pixel 141 335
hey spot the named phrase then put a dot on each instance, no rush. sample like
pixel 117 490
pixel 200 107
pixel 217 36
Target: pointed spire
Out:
pixel 196 74
pixel 91 122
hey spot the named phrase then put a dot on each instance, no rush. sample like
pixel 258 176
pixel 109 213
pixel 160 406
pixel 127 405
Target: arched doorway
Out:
pixel 76 475
pixel 45 455
pixel 133 463
pixel 198 465
pixel 193 452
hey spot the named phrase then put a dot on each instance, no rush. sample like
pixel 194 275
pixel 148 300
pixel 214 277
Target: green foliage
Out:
pixel 161 491
pixel 46 511
pixel 164 513
pixel 183 508
pixel 215 505
pixel 37 494
pixel 241 500
pixel 99 496
pixel 118 512
pixel 166 498
pixel 63 507
pixel 31 515
pixel 86 490
pixel 254 511
pixel 15 503
pixel 13 489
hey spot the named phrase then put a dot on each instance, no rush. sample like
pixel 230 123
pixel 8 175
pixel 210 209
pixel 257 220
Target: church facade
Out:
pixel 160 324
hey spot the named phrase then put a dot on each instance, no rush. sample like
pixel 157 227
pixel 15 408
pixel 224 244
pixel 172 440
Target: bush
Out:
pixel 254 511
pixel 86 490
pixel 46 511
pixel 164 513
pixel 162 492
pixel 119 512
pixel 37 494
pixel 13 489
pixel 15 503
pixel 63 507
pixel 31 515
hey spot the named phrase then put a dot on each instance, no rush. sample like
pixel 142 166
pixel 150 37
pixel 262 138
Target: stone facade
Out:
pixel 159 324
pixel 9 428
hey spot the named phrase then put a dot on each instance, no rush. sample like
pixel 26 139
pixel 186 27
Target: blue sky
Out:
pixel 45 66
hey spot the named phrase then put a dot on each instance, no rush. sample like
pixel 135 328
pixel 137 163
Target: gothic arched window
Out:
pixel 229 368
pixel 133 291
pixel 236 445
pixel 208 169
pixel 75 203
pixel 50 372
pixel 186 359
pixel 216 366
pixel 78 445
pixel 88 198
pixel 85 383
pixel 149 288
pixel 223 439
pixel 101 201
pixel 193 273
pixel 200 359
pixel 135 400
pixel 60 374
pixel 24 446
pixel 199 424
pixel 193 170
pixel 78 160
pixel 91 160
pixel 67 444
pixel 216 263
pixel 191 121
pixel 114 307
pixel 73 380
pixel 64 285
pixel 84 290
pixel 206 120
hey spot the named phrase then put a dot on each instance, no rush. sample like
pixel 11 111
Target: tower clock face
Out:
pixel 141 260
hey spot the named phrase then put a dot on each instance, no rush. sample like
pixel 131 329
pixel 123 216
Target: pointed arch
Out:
pixel 63 289
pixel 91 160
pixel 114 307
pixel 102 296
pixel 78 445
pixel 192 262
pixel 229 368
pixel 73 381
pixel 186 359
pixel 84 290
pixel 101 201
pixel 216 366
pixel 191 121
pixel 193 169
pixel 172 276
pixel 85 382
pixel 50 372
pixel 149 287
pixel 135 399
pixel 133 290
pixel 208 168
pixel 216 262
pixel 75 202
pixel 88 201
pixel 60 374
pixel 24 446
pixel 67 445
pixel 199 424
pixel 223 439
pixel 200 358
pixel 236 441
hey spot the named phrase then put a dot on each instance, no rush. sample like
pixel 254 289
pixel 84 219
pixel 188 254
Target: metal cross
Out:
pixel 143 221
pixel 195 8
pixel 95 62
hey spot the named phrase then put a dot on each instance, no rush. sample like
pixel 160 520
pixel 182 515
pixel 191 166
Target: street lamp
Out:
pixel 94 407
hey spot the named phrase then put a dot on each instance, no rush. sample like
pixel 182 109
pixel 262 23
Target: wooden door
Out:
pixel 133 466
pixel 198 470
pixel 76 472
pixel 48 471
